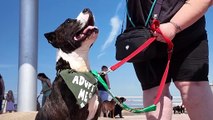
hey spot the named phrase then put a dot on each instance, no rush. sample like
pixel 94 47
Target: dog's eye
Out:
pixel 68 20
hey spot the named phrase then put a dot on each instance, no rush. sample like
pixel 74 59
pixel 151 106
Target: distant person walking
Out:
pixel 46 86
pixel 101 90
pixel 2 89
pixel 10 102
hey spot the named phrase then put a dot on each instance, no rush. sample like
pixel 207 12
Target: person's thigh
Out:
pixel 190 74
pixel 197 98
pixel 192 63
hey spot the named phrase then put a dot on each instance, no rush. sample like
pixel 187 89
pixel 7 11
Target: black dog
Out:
pixel 179 109
pixel 73 39
pixel 118 108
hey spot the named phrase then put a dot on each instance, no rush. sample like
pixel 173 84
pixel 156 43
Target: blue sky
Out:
pixel 109 16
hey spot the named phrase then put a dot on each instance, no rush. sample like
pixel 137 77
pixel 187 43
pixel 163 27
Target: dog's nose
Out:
pixel 86 10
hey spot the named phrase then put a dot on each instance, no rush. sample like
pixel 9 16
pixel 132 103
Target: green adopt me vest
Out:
pixel 82 84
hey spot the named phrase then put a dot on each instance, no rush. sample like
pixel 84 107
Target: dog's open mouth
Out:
pixel 87 22
pixel 72 32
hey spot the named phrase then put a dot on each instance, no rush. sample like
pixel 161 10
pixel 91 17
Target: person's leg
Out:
pixel 149 74
pixel 164 107
pixel 1 106
pixel 104 95
pixel 197 98
pixel 100 95
pixel 191 67
pixel 43 99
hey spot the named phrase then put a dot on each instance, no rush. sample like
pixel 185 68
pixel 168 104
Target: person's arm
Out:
pixel 8 97
pixel 107 81
pixel 3 86
pixel 49 83
pixel 188 14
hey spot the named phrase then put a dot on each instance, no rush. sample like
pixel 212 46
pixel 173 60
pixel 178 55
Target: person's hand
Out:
pixel 168 30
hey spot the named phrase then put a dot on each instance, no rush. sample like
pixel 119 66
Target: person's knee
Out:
pixel 150 94
pixel 191 92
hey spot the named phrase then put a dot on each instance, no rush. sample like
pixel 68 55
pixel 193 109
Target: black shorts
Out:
pixel 187 64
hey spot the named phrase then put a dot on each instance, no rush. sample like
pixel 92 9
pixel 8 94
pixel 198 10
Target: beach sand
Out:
pixel 141 116
pixel 127 116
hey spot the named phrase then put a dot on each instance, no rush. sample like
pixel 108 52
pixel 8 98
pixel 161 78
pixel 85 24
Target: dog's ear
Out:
pixel 123 99
pixel 51 37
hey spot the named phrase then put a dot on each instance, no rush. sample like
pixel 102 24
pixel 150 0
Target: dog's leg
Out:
pixel 93 106
pixel 120 114
pixel 110 114
pixel 105 114
pixel 113 111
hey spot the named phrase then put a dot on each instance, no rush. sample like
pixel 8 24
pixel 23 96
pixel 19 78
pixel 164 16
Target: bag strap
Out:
pixel 150 12
pixel 149 15
pixel 128 16
pixel 157 8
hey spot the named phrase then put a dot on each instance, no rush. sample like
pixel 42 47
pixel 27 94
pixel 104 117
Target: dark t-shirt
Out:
pixel 139 9
pixel 1 87
pixel 100 86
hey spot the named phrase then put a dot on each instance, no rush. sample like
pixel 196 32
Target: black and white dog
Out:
pixel 73 39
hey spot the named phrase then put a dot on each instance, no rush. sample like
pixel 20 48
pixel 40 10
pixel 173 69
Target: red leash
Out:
pixel 155 28
pixel 138 50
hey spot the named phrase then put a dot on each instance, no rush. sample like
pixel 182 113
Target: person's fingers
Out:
pixel 159 36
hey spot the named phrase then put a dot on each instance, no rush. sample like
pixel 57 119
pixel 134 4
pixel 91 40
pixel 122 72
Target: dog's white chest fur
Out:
pixel 77 62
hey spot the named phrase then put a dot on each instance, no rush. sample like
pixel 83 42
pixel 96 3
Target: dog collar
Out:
pixel 82 84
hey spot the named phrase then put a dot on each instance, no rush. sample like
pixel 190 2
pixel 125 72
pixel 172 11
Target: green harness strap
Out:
pixel 124 106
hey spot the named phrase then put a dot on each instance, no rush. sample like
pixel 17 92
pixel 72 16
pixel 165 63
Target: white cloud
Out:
pixel 115 22
pixel 100 55
pixel 119 7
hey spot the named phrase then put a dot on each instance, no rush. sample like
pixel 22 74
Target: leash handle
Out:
pixel 155 28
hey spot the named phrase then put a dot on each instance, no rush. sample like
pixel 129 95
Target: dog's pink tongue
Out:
pixel 90 29
pixel 79 36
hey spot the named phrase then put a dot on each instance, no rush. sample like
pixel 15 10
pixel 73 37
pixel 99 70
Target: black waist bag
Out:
pixel 128 41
